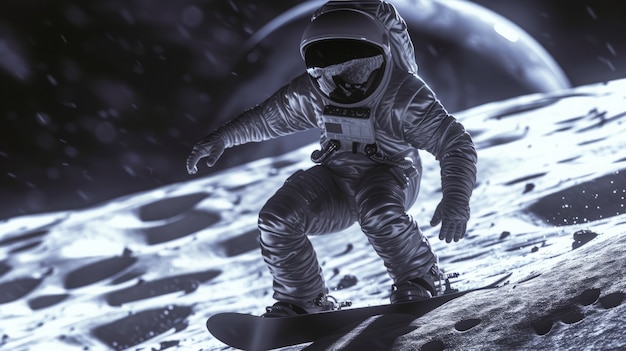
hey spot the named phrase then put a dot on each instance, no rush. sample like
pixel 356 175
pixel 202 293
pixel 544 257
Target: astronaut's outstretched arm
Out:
pixel 281 114
pixel 431 128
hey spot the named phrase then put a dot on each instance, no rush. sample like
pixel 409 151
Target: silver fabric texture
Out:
pixel 351 187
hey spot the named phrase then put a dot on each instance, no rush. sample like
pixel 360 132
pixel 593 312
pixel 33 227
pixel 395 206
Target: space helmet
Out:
pixel 347 55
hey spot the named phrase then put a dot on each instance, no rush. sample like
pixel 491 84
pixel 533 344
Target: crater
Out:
pixel 16 289
pixel 525 178
pixel 586 202
pixel 169 207
pixel 134 329
pixel 542 326
pixel 611 300
pixel 239 244
pixel 433 345
pixel 44 301
pixel 130 275
pixel 466 324
pixel 186 283
pixel 346 282
pixel 188 224
pixel 589 296
pixel 22 237
pixel 529 106
pixel 570 314
pixel 349 248
pixel 97 271
pixel 26 247
pixel 4 268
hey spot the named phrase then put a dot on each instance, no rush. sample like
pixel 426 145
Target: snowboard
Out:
pixel 250 332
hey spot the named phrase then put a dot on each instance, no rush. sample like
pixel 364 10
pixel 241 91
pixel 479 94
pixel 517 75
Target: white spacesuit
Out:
pixel 362 90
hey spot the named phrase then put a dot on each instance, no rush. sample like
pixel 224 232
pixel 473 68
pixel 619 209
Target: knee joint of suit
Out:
pixel 280 217
pixel 374 220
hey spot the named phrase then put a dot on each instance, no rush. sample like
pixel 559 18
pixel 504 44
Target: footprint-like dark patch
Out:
pixel 164 345
pixel 529 106
pixel 25 247
pixel 280 164
pixel 346 282
pixel 588 297
pixel 489 214
pixel 499 140
pixel 559 130
pixel 433 345
pixel 130 275
pixel 589 201
pixel 349 248
pixel 534 244
pixel 240 187
pixel 468 257
pixel 466 324
pixel 23 237
pixel 525 178
pixel 4 268
pixel 188 224
pixel 336 272
pixel 572 120
pixel 16 289
pixel 132 330
pixel 185 283
pixel 169 207
pixel 568 314
pixel 98 271
pixel 569 160
pixel 602 119
pixel 528 188
pixel 239 244
pixel 44 301
pixel 612 300
pixel 581 237
pixel 588 142
pixel 572 313
pixel 542 326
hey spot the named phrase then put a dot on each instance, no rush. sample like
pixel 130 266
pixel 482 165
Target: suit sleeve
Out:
pixel 428 126
pixel 288 110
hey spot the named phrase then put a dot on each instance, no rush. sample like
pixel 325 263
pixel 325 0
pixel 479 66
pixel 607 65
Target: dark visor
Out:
pixel 331 52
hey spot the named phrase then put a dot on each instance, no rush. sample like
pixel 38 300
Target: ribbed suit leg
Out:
pixel 382 202
pixel 308 203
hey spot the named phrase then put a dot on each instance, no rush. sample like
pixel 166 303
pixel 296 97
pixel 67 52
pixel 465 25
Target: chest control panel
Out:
pixel 349 124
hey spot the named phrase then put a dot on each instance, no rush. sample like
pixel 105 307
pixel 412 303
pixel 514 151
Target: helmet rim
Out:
pixel 345 23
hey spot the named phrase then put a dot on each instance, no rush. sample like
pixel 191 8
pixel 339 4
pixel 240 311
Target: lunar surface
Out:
pixel 145 271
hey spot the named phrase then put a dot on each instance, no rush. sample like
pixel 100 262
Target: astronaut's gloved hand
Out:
pixel 212 147
pixel 453 215
pixel 458 177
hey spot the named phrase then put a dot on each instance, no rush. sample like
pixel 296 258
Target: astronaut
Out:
pixel 362 90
